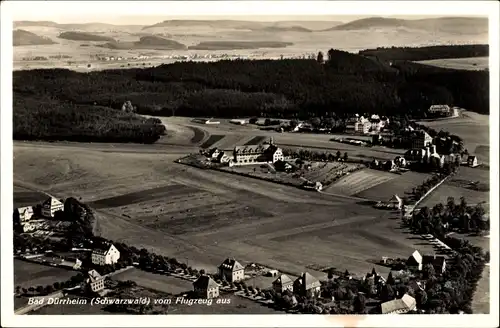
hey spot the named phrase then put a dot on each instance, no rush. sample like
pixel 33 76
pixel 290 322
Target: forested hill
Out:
pixel 345 83
pixel 428 53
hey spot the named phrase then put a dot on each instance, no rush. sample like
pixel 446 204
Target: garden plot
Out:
pixel 28 274
pixel 356 182
pixel 256 140
pixel 213 139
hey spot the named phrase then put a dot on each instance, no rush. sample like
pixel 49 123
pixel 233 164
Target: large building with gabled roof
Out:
pixel 307 285
pixel 283 283
pixel 254 154
pixel 206 287
pixel 231 270
pixel 51 206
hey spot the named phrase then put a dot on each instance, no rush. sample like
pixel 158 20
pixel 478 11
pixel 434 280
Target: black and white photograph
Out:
pixel 293 163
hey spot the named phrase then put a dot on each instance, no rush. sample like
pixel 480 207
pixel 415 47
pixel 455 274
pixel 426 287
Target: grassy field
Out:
pixel 356 182
pixel 474 63
pixel 162 283
pixel 457 187
pixel 26 197
pixel 28 274
pixel 400 185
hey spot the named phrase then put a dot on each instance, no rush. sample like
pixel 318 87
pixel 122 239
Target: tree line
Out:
pixel 427 53
pixel 48 102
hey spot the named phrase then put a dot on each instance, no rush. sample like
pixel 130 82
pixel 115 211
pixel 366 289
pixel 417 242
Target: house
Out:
pixel 396 202
pixel 223 158
pixel 23 214
pixel 402 305
pixel 437 261
pixel 214 153
pixel 272 273
pixel 231 270
pixel 75 264
pixel 108 254
pixel 254 154
pixel 206 287
pixel 362 127
pixel 282 284
pixel 95 282
pixel 472 161
pixel 444 110
pixel 421 139
pixel 306 285
pixel 414 262
pixel 51 206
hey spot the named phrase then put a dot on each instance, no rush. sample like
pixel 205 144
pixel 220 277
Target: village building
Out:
pixel 206 287
pixel 283 283
pixel 105 255
pixel 472 161
pixel 306 285
pixel 362 127
pixel 51 206
pixel 95 281
pixel 396 202
pixel 72 263
pixel 416 262
pixel 254 154
pixel 23 214
pixel 444 110
pixel 231 270
pixel 238 121
pixel 421 139
pixel 214 153
pixel 399 306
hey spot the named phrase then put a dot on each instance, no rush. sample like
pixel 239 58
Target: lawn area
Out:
pixel 28 274
pixel 459 186
pixel 25 197
pixel 160 282
pixel 400 185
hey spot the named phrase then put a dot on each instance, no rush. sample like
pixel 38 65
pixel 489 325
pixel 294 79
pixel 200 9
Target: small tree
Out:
pixel 31 289
pixel 18 289
pixel 337 155
pixel 345 157
pixel 320 58
pixel 360 304
pixel 39 289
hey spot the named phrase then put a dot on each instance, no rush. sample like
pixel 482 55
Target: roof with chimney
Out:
pixel 102 249
pixel 205 282
pixel 282 280
pixel 231 264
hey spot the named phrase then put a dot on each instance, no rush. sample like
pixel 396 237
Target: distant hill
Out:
pixel 442 24
pixel 83 26
pixel 25 38
pixel 147 42
pixel 18 24
pixel 234 45
pixel 277 26
pixel 83 36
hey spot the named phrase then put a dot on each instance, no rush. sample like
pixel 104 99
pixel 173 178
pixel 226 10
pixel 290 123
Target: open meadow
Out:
pixel 163 283
pixel 474 63
pixel 32 275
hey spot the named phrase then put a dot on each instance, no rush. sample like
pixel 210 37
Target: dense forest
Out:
pixel 63 104
pixel 428 53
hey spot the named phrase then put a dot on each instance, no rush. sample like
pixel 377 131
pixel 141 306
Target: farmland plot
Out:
pixel 28 274
pixel 356 182
pixel 400 185
pixel 160 282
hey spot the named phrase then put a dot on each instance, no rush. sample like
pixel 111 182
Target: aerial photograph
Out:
pixel 277 165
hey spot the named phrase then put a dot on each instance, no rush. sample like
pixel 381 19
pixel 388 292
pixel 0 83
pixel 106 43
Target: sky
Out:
pixel 145 12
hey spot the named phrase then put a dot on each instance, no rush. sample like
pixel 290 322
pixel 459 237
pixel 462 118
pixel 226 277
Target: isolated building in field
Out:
pixel 231 270
pixel 399 306
pixel 239 121
pixel 254 154
pixel 51 206
pixel 306 285
pixel 472 161
pixel 105 255
pixel 95 281
pixel 283 283
pixel 421 139
pixel 206 287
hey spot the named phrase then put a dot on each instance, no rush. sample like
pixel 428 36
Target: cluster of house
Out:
pixel 443 110
pixel 364 125
pixel 232 271
pixel 29 222
pixel 248 154
pixel 105 254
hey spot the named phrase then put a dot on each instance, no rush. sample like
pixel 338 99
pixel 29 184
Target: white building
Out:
pixel 238 121
pixel 421 140
pixel 442 109
pixel 231 270
pixel 396 202
pixel 25 213
pixel 402 305
pixel 51 206
pixel 362 127
pixel 106 255
pixel 95 281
